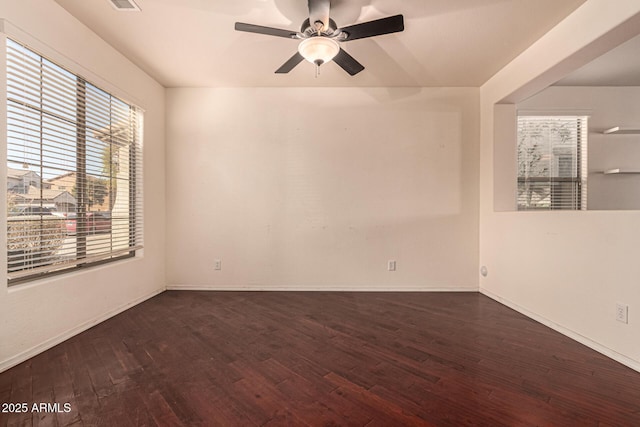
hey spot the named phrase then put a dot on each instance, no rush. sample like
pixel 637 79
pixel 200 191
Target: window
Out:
pixel 74 172
pixel 552 162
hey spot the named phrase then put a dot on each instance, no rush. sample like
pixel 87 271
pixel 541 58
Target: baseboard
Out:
pixel 317 288
pixel 618 357
pixel 51 342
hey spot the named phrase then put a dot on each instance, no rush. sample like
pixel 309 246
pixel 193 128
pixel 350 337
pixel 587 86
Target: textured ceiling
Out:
pixel 192 43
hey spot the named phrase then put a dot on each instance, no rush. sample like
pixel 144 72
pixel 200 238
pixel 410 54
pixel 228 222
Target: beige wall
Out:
pixel 38 315
pixel 565 269
pixel 308 188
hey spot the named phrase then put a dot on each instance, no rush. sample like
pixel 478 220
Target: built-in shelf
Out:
pixel 621 131
pixel 620 170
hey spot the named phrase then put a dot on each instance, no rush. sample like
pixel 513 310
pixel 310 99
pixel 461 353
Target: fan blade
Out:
pixel 290 64
pixel 250 28
pixel 392 24
pixel 348 63
pixel 319 11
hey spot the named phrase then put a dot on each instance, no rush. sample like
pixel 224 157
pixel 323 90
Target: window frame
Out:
pixel 134 182
pixel 579 192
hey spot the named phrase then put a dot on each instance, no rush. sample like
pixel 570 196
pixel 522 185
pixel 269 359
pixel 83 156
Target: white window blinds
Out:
pixel 74 170
pixel 552 162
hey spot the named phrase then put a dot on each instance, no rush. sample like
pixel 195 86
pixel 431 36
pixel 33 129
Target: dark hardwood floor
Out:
pixel 322 359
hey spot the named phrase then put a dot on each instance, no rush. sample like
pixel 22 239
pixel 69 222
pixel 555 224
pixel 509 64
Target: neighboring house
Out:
pixel 25 187
pixel 67 182
pixel 62 182
pixel 62 200
pixel 19 180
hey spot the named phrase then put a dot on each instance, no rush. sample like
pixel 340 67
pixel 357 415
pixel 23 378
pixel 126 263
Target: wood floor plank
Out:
pixel 43 380
pixel 383 410
pixel 21 392
pixel 322 359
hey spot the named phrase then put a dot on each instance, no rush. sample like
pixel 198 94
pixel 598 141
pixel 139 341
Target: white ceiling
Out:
pixel 192 43
pixel 618 67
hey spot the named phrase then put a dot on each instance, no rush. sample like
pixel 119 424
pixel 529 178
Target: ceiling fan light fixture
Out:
pixel 318 50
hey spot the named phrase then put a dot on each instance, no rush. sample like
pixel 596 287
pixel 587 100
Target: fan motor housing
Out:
pixel 306 27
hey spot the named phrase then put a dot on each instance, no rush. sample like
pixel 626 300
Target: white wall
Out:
pixel 607 107
pixel 566 269
pixel 317 188
pixel 36 316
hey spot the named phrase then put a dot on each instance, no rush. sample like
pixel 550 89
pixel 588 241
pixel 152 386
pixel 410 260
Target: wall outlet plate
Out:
pixel 391 266
pixel 217 264
pixel 622 313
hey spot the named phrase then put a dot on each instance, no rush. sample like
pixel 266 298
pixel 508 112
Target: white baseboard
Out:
pixel 51 342
pixel 618 357
pixel 316 288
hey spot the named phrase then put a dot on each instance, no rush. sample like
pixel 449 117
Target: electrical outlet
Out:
pixel 217 264
pixel 622 313
pixel 391 266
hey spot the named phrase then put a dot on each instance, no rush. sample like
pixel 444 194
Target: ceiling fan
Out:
pixel 321 36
